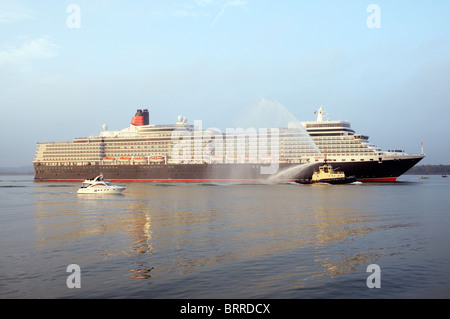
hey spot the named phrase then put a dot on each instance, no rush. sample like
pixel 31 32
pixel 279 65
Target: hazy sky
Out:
pixel 68 67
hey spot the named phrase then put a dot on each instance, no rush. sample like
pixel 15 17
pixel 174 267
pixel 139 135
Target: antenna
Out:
pixel 320 115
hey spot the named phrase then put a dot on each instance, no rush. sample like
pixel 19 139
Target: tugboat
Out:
pixel 327 175
pixel 98 185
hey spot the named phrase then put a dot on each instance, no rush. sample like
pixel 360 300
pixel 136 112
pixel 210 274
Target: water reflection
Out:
pixel 287 235
pixel 107 226
pixel 141 272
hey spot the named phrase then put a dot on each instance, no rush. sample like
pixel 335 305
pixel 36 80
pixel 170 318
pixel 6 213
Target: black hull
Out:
pixel 333 181
pixel 387 170
pixel 377 171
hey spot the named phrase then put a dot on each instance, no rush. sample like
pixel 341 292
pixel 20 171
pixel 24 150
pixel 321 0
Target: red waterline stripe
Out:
pixel 57 180
pixel 168 180
pixel 378 179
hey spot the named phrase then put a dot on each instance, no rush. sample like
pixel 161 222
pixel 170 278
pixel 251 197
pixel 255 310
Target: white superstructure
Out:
pixel 338 142
pixel 181 143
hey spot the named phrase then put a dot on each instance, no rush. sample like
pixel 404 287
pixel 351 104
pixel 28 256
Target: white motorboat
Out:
pixel 99 186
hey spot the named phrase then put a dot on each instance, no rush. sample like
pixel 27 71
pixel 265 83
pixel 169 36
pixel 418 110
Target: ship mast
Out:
pixel 321 114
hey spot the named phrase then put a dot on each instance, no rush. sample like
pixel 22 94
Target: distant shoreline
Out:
pixel 23 170
pixel 429 170
pixel 416 170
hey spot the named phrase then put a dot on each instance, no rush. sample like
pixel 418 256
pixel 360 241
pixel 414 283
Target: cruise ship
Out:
pixel 183 152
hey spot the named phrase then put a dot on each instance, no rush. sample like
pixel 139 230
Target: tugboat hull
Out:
pixel 333 181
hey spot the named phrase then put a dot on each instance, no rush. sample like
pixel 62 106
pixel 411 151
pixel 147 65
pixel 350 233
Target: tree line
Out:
pixel 429 170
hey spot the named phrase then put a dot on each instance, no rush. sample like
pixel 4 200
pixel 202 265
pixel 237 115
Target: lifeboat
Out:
pixel 140 160
pixel 266 158
pixel 216 158
pixel 232 159
pixel 251 159
pixel 157 159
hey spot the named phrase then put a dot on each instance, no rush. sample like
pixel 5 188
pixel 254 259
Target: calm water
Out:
pixel 284 241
